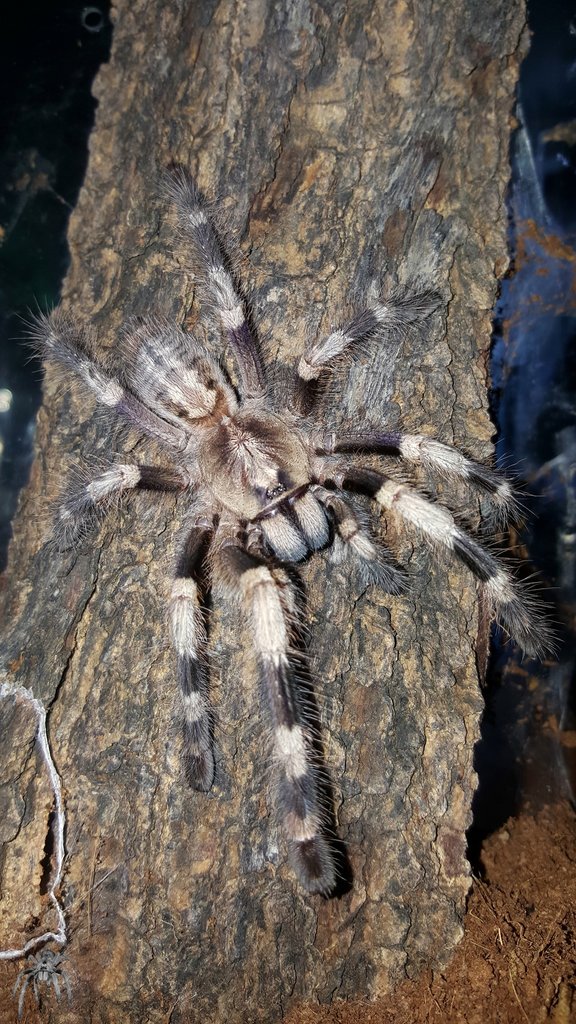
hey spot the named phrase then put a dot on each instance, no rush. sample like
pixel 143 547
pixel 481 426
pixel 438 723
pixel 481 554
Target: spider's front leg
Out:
pixel 211 264
pixel 391 318
pixel 89 503
pixel 246 575
pixel 189 640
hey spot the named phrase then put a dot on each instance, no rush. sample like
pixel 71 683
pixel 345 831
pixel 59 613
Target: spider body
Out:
pixel 251 463
pixel 268 488
pixel 44 970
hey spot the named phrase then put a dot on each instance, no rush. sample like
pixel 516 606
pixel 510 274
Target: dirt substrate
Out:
pixel 515 964
pixel 517 960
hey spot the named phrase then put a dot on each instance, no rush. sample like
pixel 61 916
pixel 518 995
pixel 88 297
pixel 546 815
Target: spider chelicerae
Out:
pixel 268 487
pixel 45 970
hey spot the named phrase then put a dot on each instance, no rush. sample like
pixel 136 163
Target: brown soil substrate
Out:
pixel 515 964
pixel 517 960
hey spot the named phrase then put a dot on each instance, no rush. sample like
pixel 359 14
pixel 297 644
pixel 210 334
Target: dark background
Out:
pixel 49 54
pixel 526 758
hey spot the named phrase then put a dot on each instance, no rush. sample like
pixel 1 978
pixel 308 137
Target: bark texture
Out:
pixel 347 142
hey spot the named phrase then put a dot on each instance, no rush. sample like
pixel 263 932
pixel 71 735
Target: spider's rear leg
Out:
pixel 514 608
pixel 302 816
pixel 440 460
pixel 93 500
pixel 189 640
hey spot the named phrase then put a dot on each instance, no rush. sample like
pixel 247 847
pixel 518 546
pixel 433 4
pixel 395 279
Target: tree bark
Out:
pixel 348 143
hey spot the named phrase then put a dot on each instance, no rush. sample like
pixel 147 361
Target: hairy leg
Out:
pixel 210 263
pixel 390 318
pixel 189 641
pixel 513 606
pixel 64 341
pixel 352 538
pixel 437 458
pixel 295 526
pixel 87 504
pixel 247 576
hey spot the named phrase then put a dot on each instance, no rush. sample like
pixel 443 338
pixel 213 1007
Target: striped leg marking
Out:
pixel 60 339
pixel 189 640
pixel 512 605
pixel 92 501
pixel 350 537
pixel 440 459
pixel 299 802
pixel 210 261
pixel 311 519
pixel 295 527
pixel 318 356
pixel 391 317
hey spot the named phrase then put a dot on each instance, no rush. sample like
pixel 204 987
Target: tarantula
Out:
pixel 45 970
pixel 268 488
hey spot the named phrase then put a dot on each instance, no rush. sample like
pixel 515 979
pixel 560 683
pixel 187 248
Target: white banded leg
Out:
pixel 351 538
pixel 209 259
pixel 311 518
pixel 513 607
pixel 391 317
pixel 59 338
pixel 295 526
pixel 96 497
pixel 299 796
pixel 189 640
pixel 439 459
pixel 283 536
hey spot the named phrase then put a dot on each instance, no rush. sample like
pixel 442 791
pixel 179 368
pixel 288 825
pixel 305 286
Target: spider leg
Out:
pixel 189 640
pixel 310 517
pixel 391 317
pixel 440 459
pixel 56 985
pixel 59 338
pixel 209 259
pixel 513 607
pixel 295 526
pixel 22 995
pixel 66 981
pixel 95 498
pixel 247 575
pixel 376 568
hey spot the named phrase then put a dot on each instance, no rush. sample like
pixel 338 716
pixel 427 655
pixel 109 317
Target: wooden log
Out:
pixel 347 143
